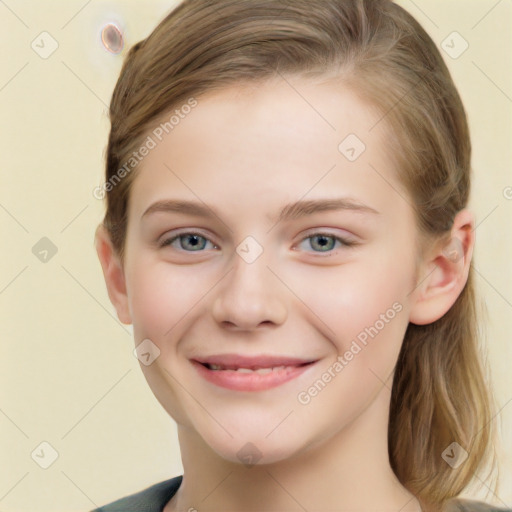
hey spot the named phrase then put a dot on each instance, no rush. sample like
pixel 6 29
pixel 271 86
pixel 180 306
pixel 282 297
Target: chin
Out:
pixel 252 452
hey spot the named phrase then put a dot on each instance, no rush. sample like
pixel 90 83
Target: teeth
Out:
pixel 261 371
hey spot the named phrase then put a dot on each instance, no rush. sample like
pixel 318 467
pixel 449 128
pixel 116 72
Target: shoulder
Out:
pixel 151 499
pixel 464 505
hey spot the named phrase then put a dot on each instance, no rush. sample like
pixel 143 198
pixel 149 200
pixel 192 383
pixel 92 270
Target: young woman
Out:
pixel 287 231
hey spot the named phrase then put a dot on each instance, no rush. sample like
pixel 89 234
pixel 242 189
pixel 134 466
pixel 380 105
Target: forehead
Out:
pixel 280 115
pixel 287 137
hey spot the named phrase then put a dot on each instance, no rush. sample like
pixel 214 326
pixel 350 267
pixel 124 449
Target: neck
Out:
pixel 348 471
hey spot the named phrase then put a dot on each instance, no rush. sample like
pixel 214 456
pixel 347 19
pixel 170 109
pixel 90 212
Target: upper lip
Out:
pixel 262 361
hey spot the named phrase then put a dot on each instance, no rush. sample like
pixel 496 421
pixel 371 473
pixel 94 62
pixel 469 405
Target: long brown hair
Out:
pixel 440 392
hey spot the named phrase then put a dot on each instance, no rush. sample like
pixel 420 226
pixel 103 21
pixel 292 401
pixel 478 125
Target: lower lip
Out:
pixel 238 381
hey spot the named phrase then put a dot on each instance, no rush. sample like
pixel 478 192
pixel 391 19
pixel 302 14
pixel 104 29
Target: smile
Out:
pixel 251 376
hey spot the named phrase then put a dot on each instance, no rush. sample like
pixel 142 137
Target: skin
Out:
pixel 246 152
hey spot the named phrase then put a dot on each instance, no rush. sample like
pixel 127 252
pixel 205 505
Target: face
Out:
pixel 242 275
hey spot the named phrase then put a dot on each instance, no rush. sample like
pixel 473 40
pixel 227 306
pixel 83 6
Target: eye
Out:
pixel 188 242
pixel 195 242
pixel 325 242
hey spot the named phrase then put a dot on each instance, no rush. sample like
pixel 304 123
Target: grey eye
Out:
pixel 188 242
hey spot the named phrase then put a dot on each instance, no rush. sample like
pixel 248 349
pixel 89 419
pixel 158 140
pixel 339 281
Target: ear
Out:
pixel 113 273
pixel 444 272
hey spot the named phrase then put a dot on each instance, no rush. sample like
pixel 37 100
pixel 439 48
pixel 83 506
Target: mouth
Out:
pixel 261 370
pixel 236 361
pixel 242 373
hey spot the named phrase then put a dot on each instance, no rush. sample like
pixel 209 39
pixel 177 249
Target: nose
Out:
pixel 249 296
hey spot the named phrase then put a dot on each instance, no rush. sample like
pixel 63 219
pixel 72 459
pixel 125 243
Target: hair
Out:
pixel 380 52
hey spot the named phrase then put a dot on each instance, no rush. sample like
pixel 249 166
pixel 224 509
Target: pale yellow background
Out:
pixel 68 374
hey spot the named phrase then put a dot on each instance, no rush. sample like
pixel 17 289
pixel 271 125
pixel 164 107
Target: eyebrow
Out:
pixel 290 211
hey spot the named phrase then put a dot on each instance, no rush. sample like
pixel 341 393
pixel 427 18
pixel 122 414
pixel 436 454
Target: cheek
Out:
pixel 364 308
pixel 162 295
pixel 364 302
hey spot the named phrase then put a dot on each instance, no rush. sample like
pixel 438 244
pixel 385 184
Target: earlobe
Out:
pixel 113 273
pixel 445 272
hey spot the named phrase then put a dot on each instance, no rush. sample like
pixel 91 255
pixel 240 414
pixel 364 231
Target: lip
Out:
pixel 263 361
pixel 239 381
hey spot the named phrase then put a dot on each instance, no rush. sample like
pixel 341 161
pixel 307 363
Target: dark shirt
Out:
pixel 154 499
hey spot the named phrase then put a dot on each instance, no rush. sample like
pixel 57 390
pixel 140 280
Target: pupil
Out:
pixel 322 241
pixel 192 241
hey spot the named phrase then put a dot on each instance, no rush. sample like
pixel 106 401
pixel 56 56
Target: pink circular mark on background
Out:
pixel 112 38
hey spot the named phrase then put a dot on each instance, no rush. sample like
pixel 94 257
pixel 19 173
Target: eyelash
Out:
pixel 344 242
